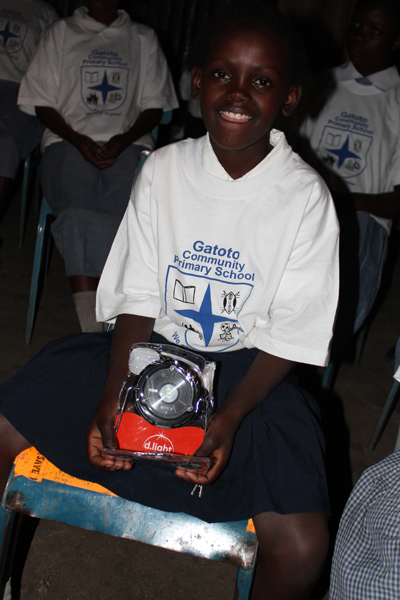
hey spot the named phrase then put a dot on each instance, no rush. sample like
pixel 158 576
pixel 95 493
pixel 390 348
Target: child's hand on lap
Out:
pixel 217 445
pixel 101 433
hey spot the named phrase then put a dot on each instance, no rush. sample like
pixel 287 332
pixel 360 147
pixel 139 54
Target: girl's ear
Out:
pixel 195 82
pixel 292 100
pixel 396 45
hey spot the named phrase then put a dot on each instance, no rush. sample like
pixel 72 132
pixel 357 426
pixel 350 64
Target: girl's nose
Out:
pixel 360 33
pixel 239 93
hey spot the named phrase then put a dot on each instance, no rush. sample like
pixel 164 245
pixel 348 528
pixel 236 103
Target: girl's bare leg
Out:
pixel 292 553
pixel 11 444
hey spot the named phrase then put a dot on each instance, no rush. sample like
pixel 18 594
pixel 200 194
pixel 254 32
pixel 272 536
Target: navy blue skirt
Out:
pixel 277 462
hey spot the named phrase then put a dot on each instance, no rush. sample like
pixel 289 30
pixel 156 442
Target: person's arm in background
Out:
pixel 385 205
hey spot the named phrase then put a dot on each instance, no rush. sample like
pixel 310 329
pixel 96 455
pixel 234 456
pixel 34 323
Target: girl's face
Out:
pixel 242 89
pixel 371 37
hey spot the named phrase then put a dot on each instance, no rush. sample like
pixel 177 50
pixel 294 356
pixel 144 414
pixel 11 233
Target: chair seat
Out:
pixel 39 489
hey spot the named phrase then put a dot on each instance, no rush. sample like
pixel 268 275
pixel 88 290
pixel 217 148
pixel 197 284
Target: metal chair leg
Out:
pixel 360 342
pixel 37 263
pixel 7 518
pixel 244 581
pixel 384 416
pixel 24 200
pixel 328 377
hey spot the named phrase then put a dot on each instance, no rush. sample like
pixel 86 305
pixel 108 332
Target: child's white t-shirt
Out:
pixel 212 165
pixel 356 135
pixel 98 77
pixel 22 22
pixel 223 265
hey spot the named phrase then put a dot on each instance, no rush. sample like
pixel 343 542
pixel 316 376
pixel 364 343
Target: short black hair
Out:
pixel 392 5
pixel 253 13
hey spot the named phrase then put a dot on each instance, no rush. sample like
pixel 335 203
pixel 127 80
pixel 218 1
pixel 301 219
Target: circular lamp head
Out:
pixel 167 393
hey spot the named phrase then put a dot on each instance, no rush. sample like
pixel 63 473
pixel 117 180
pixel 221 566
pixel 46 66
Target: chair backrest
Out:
pixel 140 162
pixel 165 119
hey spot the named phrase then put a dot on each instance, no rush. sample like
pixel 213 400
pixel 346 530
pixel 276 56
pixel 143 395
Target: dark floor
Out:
pixel 65 563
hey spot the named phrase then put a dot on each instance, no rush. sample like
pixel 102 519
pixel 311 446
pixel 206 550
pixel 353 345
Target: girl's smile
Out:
pixel 242 89
pixel 235 117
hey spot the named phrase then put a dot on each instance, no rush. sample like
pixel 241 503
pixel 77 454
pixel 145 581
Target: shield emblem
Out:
pixel 104 88
pixel 344 152
pixel 12 35
pixel 194 302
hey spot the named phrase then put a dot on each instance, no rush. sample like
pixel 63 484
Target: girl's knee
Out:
pixel 294 543
pixel 11 444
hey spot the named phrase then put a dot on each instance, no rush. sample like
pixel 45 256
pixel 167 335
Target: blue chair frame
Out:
pixel 24 200
pixel 388 407
pixel 233 542
pixel 384 417
pixel 332 368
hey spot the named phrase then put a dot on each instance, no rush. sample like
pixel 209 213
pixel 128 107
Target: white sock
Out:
pixel 7 590
pixel 85 306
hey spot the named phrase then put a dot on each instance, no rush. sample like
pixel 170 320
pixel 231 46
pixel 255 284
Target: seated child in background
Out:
pixel 352 137
pixel 236 211
pixel 193 125
pixel 22 22
pixel 99 82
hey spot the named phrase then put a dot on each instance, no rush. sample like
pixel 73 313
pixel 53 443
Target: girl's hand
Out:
pixel 129 329
pixel 265 373
pixel 217 445
pixel 101 433
pixel 114 147
pixel 92 152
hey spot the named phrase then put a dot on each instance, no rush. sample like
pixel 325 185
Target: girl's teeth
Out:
pixel 236 116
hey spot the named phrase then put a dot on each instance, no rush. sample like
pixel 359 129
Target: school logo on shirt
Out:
pixel 13 30
pixel 104 88
pixel 205 308
pixel 344 151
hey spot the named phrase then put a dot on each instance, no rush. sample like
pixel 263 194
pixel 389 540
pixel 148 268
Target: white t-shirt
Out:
pixel 356 135
pixel 98 78
pixel 212 165
pixel 22 22
pixel 224 265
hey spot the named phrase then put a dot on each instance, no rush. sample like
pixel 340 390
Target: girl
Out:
pixel 99 83
pixel 352 136
pixel 235 212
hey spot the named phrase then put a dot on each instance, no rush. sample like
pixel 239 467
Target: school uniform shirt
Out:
pixel 211 164
pixel 356 134
pixel 22 22
pixel 98 77
pixel 224 265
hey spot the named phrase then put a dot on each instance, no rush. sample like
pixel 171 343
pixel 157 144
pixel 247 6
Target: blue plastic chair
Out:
pixel 44 221
pixel 233 542
pixel 388 407
pixel 26 180
pixel 24 200
pixel 332 369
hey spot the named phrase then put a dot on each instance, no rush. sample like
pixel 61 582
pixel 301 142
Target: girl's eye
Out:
pixel 262 81
pixel 375 31
pixel 355 24
pixel 220 75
